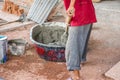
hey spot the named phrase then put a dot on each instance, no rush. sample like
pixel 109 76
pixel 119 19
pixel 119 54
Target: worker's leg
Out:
pixel 72 54
pixel 86 35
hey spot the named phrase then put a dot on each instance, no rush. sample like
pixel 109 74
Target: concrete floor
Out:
pixel 108 13
pixel 103 54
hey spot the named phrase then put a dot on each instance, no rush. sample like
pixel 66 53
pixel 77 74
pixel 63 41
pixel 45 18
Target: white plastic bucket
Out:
pixel 3 49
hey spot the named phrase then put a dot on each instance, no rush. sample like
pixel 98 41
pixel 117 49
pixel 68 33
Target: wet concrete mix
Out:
pixel 50 35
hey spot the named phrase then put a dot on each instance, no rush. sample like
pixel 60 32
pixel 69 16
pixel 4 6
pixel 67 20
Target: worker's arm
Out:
pixel 72 3
pixel 71 9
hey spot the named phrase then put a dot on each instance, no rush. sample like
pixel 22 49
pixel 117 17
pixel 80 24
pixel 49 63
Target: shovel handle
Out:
pixel 68 19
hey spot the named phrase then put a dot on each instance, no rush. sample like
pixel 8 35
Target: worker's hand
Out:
pixel 71 11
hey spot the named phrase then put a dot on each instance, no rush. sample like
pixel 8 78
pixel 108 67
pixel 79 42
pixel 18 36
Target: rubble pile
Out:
pixel 12 8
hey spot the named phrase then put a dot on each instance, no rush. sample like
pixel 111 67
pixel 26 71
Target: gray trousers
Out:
pixel 76 46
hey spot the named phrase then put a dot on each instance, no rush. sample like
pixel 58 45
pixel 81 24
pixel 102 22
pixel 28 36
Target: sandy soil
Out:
pixel 103 53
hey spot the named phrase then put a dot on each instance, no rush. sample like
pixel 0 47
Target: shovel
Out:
pixel 65 34
pixel 21 19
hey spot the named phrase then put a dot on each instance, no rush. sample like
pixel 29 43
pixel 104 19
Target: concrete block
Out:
pixel 114 72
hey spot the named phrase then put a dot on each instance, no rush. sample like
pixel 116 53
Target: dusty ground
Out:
pixel 103 53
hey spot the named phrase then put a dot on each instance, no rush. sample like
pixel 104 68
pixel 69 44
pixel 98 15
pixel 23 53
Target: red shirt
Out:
pixel 84 12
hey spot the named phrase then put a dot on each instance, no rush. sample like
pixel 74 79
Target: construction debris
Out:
pixel 17 46
pixel 12 8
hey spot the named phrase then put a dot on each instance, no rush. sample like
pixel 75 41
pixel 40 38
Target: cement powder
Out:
pixel 50 35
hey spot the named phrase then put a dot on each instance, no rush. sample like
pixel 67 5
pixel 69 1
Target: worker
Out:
pixel 82 15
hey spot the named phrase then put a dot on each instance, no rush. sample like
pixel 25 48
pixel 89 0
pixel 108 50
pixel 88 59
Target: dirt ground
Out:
pixel 103 53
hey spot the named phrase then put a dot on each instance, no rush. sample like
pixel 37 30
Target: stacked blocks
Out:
pixel 12 8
